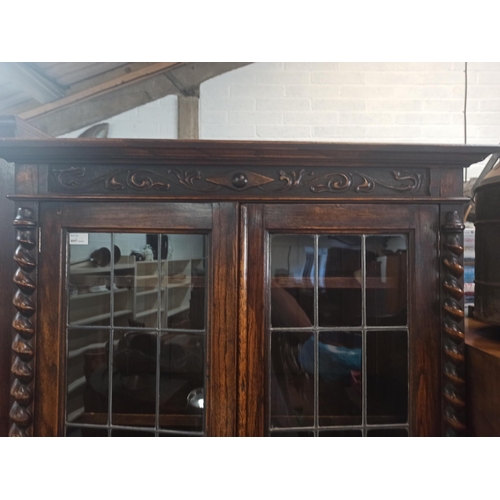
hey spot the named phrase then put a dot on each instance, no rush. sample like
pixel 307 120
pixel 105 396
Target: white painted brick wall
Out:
pixel 387 102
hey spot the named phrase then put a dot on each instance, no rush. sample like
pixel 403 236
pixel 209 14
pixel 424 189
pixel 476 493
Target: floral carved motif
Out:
pixel 340 181
pixel 79 179
pixel 75 179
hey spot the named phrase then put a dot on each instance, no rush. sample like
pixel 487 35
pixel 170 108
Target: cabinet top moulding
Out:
pixel 241 153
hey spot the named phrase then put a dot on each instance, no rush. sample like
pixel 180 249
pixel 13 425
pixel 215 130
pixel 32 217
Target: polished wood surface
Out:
pixel 50 379
pixel 223 321
pixel 252 361
pixel 425 347
pixel 290 154
pixel 238 193
pixel 482 358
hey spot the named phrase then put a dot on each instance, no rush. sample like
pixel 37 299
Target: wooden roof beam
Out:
pixel 33 82
pixel 97 90
pixel 60 117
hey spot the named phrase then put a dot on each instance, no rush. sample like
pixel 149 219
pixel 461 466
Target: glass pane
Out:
pixel 92 298
pixel 387 377
pixel 86 369
pixel 159 281
pixel 184 281
pixel 387 433
pixel 89 274
pixel 131 433
pixel 386 280
pixel 182 398
pixel 292 434
pixel 86 432
pixel 344 433
pixel 292 287
pixel 292 380
pixel 340 280
pixel 148 300
pixel 340 378
pixel 134 378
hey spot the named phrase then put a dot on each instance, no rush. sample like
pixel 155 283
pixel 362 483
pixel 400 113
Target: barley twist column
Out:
pixel 453 337
pixel 23 344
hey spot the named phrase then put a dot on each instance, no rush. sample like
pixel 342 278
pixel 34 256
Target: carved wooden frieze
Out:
pixel 453 336
pixel 259 181
pixel 23 346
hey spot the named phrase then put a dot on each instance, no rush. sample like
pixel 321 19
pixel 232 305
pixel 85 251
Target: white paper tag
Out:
pixel 78 238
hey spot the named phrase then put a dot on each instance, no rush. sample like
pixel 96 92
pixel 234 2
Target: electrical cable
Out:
pixel 465 113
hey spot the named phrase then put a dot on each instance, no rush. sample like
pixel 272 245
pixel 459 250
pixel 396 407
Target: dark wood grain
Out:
pixel 323 217
pixel 223 321
pixel 425 344
pixel 49 412
pixel 291 154
pixel 252 324
pixel 107 216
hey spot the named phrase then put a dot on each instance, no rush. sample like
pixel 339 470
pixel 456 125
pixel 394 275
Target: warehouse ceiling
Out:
pixel 60 97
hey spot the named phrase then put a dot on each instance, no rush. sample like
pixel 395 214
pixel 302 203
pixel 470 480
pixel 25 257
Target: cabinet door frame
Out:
pixel 419 221
pixel 218 220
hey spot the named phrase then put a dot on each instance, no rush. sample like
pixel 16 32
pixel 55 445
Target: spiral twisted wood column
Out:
pixel 23 345
pixel 453 336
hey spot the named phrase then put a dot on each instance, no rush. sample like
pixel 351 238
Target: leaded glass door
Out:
pixel 346 339
pixel 142 351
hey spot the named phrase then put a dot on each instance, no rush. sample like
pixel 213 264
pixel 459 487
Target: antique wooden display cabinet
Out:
pixel 233 288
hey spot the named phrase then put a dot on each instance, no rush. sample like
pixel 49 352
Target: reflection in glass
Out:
pixel 340 377
pixel 134 377
pixel 146 292
pixel 88 354
pixel 342 433
pixel 292 287
pixel 183 282
pixel 388 432
pixel 386 277
pixel 86 432
pixel 89 275
pixel 330 295
pixel 182 398
pixel 340 280
pixel 132 433
pixel 387 377
pixel 292 434
pixel 292 387
pixel 148 283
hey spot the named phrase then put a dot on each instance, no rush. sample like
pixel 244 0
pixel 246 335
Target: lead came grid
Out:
pixel 159 330
pixel 394 336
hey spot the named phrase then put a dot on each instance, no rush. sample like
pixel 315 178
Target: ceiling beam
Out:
pixel 32 81
pixel 92 109
pixel 188 117
pixel 98 90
